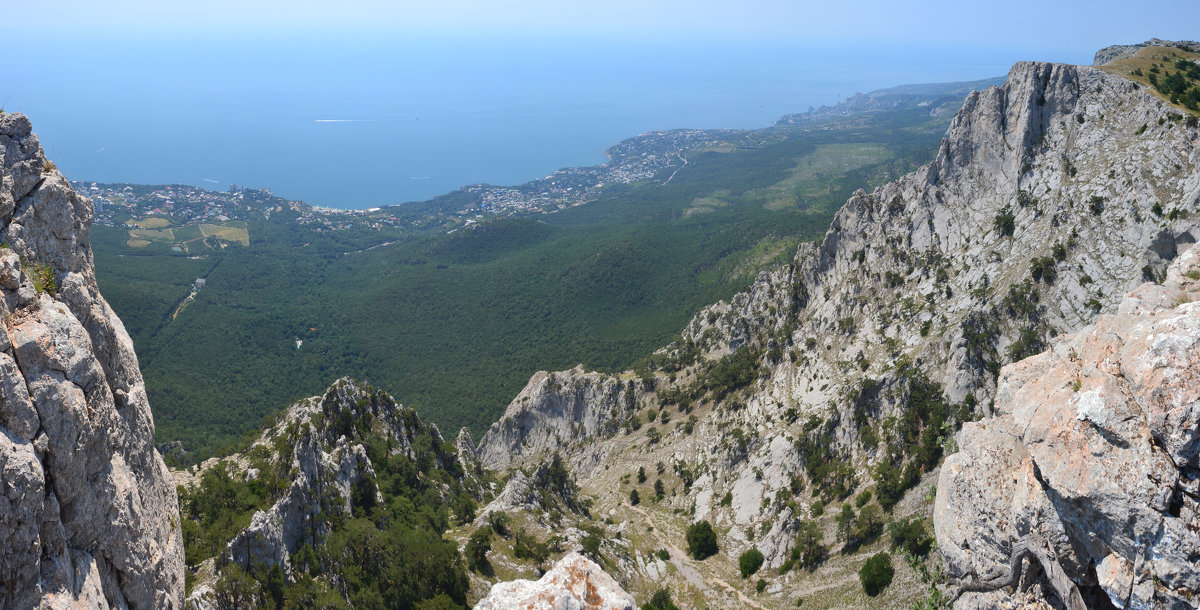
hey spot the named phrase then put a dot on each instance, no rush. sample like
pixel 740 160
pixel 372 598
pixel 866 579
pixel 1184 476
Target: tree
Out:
pixel 809 550
pixel 845 523
pixel 911 536
pixel 750 562
pixel 641 476
pixel 869 524
pixel 876 574
pixel 478 546
pixel 634 498
pixel 702 540
pixel 658 490
pixel 1005 222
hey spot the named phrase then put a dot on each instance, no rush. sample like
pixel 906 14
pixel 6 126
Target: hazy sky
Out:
pixel 1033 24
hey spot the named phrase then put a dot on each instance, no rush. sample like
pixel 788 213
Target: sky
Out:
pixel 1036 24
pixel 215 92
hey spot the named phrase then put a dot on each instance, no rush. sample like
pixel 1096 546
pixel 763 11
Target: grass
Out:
pixel 1137 68
pixel 150 222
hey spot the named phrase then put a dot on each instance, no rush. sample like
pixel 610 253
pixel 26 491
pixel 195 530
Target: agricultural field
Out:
pixel 189 238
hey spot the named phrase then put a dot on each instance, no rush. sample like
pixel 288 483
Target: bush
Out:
pixel 861 499
pixel 910 536
pixel 701 540
pixel 876 574
pixel 634 498
pixel 664 554
pixel 750 562
pixel 660 601
pixel 1005 222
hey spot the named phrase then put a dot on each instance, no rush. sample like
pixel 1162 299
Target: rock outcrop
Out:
pixel 556 409
pixel 575 583
pixel 318 445
pixel 88 511
pixel 1093 455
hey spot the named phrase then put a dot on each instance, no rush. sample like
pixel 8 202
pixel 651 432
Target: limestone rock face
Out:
pixel 1095 449
pixel 575 583
pixel 554 410
pixel 88 511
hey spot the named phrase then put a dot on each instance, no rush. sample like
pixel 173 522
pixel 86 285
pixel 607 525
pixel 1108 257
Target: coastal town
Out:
pixel 649 156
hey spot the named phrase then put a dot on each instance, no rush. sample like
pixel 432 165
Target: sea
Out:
pixel 356 122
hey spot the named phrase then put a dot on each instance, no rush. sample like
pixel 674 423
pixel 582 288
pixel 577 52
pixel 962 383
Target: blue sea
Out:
pixel 353 123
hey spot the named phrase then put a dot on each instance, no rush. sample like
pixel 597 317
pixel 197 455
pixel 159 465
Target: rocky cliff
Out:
pixel 1050 197
pixel 89 516
pixel 556 409
pixel 1090 465
pixel 574 583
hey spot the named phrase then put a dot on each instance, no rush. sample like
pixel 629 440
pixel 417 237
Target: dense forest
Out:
pixel 454 324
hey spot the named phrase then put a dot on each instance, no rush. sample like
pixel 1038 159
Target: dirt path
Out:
pixel 681 158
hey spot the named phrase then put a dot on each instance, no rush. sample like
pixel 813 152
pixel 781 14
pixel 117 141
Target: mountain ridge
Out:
pixel 1047 201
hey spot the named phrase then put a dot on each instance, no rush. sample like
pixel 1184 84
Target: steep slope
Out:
pixel 1050 197
pixel 1090 463
pixel 89 515
pixel 343 498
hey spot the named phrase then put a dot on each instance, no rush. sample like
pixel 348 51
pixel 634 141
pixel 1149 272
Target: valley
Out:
pixel 455 302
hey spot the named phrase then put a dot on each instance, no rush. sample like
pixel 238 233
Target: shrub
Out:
pixel 1043 269
pixel 876 574
pixel 817 508
pixel 910 536
pixel 750 562
pixel 1005 222
pixel 48 166
pixel 1096 204
pixel 861 499
pixel 634 498
pixel 760 586
pixel 660 601
pixel 664 554
pixel 591 543
pixel 701 540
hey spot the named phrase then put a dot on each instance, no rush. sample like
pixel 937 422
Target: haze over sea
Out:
pixel 354 123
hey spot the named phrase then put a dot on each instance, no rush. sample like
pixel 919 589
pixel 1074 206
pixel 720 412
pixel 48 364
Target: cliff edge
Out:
pixel 1089 471
pixel 88 513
